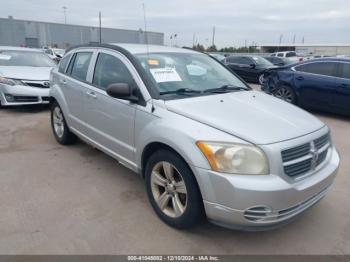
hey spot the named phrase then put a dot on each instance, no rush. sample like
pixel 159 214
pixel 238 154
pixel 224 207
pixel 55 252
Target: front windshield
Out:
pixel 25 58
pixel 174 71
pixel 262 61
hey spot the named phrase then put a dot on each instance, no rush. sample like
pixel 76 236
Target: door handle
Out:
pixel 300 78
pixel 343 85
pixel 63 81
pixel 91 94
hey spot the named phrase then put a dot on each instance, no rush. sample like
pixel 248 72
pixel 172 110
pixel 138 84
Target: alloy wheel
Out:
pixel 58 122
pixel 169 189
pixel 284 94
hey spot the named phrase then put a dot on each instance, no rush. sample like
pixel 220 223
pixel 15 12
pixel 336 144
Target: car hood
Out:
pixel 250 115
pixel 26 72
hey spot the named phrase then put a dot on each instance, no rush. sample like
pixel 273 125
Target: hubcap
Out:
pixel 58 122
pixel 284 94
pixel 169 189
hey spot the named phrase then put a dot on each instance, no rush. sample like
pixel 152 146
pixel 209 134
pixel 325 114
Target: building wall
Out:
pixel 323 50
pixel 39 34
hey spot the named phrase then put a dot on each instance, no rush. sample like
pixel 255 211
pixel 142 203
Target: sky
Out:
pixel 236 21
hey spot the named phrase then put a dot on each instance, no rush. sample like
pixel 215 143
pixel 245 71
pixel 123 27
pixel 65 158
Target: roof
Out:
pixel 142 48
pixel 15 48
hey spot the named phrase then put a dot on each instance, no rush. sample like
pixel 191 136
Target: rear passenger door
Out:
pixel 74 88
pixel 316 83
pixel 111 120
pixel 341 98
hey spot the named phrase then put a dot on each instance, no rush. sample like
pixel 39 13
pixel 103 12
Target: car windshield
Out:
pixel 191 72
pixel 262 61
pixel 25 58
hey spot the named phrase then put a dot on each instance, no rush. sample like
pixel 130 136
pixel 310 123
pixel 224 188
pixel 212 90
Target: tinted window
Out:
pixel 109 70
pixel 291 54
pixel 240 60
pixel 280 54
pixel 345 70
pixel 322 68
pixel 63 64
pixel 81 65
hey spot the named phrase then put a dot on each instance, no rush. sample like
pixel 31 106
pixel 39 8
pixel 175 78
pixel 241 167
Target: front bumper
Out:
pixel 23 95
pixel 261 202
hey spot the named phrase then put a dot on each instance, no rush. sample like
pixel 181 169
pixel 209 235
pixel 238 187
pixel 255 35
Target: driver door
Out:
pixel 111 120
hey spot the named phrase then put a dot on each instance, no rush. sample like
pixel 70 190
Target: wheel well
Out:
pixel 152 148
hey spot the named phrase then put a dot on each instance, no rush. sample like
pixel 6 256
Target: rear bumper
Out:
pixel 262 202
pixel 23 95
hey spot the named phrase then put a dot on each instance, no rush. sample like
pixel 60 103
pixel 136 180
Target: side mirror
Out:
pixel 122 91
pixel 252 65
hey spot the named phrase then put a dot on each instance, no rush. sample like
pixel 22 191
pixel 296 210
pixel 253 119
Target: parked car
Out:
pixel 322 84
pixel 279 61
pixel 24 76
pixel 250 68
pixel 291 55
pixel 205 143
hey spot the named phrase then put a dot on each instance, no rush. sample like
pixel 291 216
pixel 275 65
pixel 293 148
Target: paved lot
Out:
pixel 77 200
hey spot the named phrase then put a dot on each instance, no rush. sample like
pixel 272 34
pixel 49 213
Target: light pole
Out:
pixel 65 14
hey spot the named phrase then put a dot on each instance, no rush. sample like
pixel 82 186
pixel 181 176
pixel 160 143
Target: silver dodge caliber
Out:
pixel 205 143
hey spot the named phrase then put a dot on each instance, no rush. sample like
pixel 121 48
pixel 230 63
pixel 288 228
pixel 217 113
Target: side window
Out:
pixel 109 70
pixel 246 61
pixel 81 65
pixel 232 59
pixel 291 54
pixel 344 71
pixel 322 68
pixel 63 64
pixel 280 54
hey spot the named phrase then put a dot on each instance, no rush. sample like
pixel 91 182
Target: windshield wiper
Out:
pixel 181 91
pixel 225 89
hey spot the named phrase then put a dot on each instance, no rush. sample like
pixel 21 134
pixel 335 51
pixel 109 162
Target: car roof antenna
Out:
pixel 146 40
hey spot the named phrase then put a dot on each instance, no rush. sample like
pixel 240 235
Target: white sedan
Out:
pixel 24 76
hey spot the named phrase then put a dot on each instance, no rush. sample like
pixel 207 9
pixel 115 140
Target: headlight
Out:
pixel 11 82
pixel 235 158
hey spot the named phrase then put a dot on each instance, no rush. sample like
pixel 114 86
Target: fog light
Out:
pixel 9 98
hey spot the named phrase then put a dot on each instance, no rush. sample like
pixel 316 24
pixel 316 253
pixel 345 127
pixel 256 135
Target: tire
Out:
pixel 285 93
pixel 59 126
pixel 261 79
pixel 183 204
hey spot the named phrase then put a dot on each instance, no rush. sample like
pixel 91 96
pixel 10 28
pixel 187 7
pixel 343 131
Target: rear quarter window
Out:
pixel 63 64
pixel 320 68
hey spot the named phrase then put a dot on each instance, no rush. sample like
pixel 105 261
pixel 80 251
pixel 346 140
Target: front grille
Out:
pixel 296 152
pixel 25 99
pixel 45 98
pixel 38 84
pixel 302 159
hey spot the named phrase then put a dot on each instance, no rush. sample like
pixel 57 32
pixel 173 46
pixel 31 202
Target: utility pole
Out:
pixel 294 39
pixel 100 26
pixel 213 40
pixel 279 46
pixel 303 41
pixel 194 39
pixel 65 14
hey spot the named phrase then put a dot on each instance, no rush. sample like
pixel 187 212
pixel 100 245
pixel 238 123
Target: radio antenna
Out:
pixel 146 39
pixel 145 23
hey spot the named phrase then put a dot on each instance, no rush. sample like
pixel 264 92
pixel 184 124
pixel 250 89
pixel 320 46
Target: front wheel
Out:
pixel 59 126
pixel 286 94
pixel 173 190
pixel 261 79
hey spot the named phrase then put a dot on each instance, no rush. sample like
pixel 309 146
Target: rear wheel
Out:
pixel 59 126
pixel 286 94
pixel 173 190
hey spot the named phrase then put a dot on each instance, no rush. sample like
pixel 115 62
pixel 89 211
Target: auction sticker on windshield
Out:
pixel 165 75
